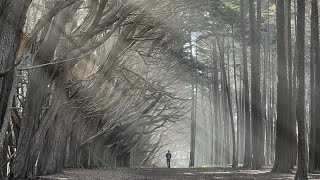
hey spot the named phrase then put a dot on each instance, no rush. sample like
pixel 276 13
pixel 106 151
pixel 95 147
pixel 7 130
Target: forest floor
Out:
pixel 171 174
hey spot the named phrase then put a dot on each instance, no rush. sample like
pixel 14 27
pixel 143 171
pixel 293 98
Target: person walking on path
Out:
pixel 168 156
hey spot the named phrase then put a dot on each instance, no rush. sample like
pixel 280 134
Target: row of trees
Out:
pixel 267 110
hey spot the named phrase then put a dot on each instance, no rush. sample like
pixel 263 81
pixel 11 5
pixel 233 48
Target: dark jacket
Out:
pixel 168 155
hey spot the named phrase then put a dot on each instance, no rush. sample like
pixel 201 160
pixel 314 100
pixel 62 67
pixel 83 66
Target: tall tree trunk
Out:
pixel 293 136
pixel 225 121
pixel 264 98
pixel 228 98
pixel 314 57
pixel 261 132
pixel 217 114
pixel 247 152
pixel 317 89
pixel 314 54
pixel 282 157
pixel 193 115
pixel 300 46
pixel 242 118
pixel 273 110
pixel 227 127
pixel 12 19
pixel 294 82
pixel 269 84
pixel 257 130
pixel 212 112
pixel 236 97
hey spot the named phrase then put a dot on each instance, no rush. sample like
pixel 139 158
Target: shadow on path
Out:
pixel 171 174
pixel 212 173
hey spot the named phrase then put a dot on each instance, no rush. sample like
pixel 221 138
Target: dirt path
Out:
pixel 171 174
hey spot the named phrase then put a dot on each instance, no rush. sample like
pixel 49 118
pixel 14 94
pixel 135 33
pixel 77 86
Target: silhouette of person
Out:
pixel 168 156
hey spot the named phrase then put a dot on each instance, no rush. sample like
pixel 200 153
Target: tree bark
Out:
pixel 34 123
pixel 228 98
pixel 292 128
pixel 193 116
pixel 317 86
pixel 300 46
pixel 217 114
pixel 247 152
pixel 12 19
pixel 236 97
pixel 257 130
pixel 282 157
pixel 314 56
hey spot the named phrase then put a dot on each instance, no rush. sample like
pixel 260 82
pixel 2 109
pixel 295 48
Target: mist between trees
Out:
pixel 88 83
